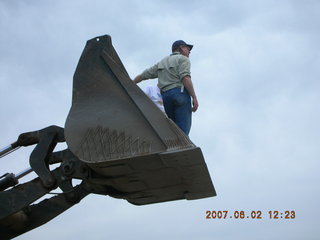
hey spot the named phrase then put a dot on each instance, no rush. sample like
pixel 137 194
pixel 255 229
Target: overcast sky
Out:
pixel 255 69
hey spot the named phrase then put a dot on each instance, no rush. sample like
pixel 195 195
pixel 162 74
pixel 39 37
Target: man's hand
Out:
pixel 137 79
pixel 195 104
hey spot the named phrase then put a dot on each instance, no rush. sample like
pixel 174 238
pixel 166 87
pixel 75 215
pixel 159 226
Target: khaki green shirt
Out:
pixel 170 71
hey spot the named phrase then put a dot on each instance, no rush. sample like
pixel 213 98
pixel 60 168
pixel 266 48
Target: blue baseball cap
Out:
pixel 179 43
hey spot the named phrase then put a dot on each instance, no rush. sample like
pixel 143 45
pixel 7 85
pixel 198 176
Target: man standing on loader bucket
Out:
pixel 174 81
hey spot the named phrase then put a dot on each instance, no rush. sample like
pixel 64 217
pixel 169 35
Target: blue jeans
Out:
pixel 177 105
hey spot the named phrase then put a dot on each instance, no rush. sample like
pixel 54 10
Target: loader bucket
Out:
pixel 121 134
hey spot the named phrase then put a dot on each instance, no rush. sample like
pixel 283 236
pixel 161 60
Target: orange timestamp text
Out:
pixel 255 214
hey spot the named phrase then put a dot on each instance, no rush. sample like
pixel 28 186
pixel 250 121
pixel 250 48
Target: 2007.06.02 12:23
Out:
pixel 223 214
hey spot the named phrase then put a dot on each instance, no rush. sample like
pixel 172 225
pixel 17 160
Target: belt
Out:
pixel 175 85
pixel 180 87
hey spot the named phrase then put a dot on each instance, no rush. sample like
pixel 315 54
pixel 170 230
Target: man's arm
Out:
pixel 137 79
pixel 149 73
pixel 186 80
